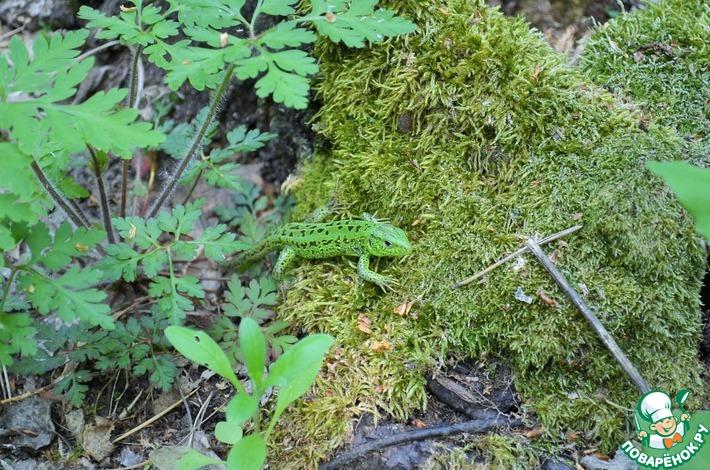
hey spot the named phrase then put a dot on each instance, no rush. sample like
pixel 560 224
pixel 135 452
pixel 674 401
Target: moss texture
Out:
pixel 470 135
pixel 659 57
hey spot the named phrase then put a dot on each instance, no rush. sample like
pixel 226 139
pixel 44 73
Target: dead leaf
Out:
pixel 404 309
pixel 364 324
pixel 533 433
pixel 418 423
pixel 546 299
pixel 381 346
pixel 96 439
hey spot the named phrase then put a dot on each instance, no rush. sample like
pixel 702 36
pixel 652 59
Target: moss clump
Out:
pixel 659 57
pixel 470 135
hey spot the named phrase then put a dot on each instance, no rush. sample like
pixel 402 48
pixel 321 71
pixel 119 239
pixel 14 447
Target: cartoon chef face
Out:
pixel 665 427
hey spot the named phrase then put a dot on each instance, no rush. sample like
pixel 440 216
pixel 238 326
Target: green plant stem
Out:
pixel 192 187
pixel 177 174
pixel 79 219
pixel 6 287
pixel 132 102
pixel 105 213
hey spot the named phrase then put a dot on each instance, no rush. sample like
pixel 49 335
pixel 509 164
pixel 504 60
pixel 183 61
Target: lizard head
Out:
pixel 388 240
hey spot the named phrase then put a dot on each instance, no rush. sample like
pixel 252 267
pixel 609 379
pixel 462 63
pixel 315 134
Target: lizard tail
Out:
pixel 248 257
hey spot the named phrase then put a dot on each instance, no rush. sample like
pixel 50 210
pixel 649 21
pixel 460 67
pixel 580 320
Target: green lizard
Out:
pixel 361 238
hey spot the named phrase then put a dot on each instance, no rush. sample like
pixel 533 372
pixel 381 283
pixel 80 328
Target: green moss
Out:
pixel 471 135
pixel 660 58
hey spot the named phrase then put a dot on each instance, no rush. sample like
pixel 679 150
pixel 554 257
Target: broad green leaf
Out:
pixel 253 346
pixel 200 348
pixel 248 454
pixel 241 408
pixel 192 460
pixel 692 186
pixel 301 358
pixel 229 433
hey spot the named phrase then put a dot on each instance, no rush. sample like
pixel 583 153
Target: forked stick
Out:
pixel 599 329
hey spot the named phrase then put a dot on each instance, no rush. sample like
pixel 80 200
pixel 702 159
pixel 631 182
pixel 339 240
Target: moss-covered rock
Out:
pixel 471 135
pixel 659 57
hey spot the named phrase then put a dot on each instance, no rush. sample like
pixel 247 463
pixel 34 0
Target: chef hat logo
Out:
pixel 655 406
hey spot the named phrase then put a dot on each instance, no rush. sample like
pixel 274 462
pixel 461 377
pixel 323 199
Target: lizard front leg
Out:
pixel 287 255
pixel 363 269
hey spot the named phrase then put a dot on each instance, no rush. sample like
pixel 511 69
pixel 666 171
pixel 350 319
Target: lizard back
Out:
pixel 324 240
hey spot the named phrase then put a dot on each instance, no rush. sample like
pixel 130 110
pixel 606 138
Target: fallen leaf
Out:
pixel 404 309
pixel 381 346
pixel 364 324
pixel 546 299
pixel 418 423
pixel 533 433
pixel 96 439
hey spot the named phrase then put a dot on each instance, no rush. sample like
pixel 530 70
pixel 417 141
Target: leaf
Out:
pixel 247 301
pixel 68 244
pixel 300 358
pixel 229 433
pixel 171 303
pixel 353 23
pixel 241 408
pixel 68 295
pixel 200 348
pixel 253 346
pixel 286 34
pixel 16 336
pixel 153 27
pixel 692 186
pixel 278 7
pixel 192 460
pixel 285 77
pixel 40 124
pixel 218 14
pixel 247 454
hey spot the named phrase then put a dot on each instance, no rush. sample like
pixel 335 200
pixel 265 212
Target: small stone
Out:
pixel 26 424
pixel 75 422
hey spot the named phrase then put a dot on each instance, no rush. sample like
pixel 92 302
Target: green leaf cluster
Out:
pixel 292 374
pixel 217 167
pixel 33 107
pixel 145 251
pixel 219 37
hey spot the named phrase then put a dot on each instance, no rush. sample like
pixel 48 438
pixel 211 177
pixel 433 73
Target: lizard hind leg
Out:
pixel 363 269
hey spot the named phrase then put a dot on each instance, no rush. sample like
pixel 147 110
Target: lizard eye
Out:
pixel 388 243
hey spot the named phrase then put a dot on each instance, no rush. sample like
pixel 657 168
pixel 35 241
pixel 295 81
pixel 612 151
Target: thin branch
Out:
pixel 470 427
pixel 192 188
pixel 33 392
pixel 155 418
pixel 517 252
pixel 93 51
pixel 196 144
pixel 70 211
pixel 599 329
pixel 132 103
pixel 105 212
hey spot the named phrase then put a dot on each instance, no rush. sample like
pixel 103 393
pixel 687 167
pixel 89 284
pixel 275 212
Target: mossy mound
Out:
pixel 471 135
pixel 659 57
